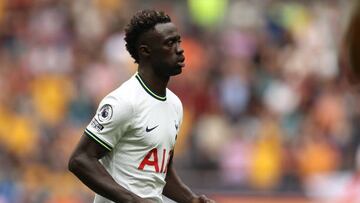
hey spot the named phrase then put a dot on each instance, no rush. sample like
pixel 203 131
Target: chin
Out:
pixel 177 71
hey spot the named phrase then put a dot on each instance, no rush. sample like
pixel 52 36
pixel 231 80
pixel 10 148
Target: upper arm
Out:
pixel 90 148
pixel 108 125
pixel 86 151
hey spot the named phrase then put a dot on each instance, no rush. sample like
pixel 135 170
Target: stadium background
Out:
pixel 268 117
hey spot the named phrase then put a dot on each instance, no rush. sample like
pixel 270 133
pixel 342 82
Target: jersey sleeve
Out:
pixel 111 121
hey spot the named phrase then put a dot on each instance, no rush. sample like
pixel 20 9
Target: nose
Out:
pixel 179 49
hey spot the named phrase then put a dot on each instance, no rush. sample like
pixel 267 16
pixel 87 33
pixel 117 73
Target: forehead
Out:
pixel 165 30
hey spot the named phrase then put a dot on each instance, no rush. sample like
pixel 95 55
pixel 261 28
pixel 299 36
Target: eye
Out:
pixel 170 42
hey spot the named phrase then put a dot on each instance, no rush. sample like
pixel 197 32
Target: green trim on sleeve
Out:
pixel 98 140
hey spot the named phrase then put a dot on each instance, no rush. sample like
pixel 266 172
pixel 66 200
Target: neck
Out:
pixel 156 83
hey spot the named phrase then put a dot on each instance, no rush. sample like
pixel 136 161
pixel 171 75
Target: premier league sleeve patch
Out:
pixel 105 113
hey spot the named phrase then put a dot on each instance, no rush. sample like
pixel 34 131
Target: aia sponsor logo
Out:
pixel 152 160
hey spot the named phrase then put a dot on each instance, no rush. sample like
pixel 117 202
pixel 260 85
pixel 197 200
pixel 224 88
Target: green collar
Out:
pixel 137 76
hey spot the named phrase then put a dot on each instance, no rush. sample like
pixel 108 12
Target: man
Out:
pixel 134 130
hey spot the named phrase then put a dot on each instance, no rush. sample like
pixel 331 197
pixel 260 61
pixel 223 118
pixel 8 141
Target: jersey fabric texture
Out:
pixel 139 129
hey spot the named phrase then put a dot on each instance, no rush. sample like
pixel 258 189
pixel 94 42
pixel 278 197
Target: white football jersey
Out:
pixel 139 128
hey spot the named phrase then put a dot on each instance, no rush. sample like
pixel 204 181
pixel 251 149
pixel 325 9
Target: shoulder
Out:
pixel 174 99
pixel 125 92
pixel 120 100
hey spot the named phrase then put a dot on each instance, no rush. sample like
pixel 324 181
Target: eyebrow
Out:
pixel 177 36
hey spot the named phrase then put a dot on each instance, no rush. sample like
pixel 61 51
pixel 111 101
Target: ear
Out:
pixel 144 50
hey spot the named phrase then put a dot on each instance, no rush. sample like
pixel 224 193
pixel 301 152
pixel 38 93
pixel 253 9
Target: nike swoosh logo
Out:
pixel 150 129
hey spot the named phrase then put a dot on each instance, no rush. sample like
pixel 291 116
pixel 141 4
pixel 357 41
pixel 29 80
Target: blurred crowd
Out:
pixel 266 109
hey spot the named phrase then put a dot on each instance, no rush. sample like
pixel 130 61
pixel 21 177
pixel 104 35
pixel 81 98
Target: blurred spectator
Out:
pixel 264 109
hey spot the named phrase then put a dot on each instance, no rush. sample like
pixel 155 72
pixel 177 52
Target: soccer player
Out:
pixel 125 154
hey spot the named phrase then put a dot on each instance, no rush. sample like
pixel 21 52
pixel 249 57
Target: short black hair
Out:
pixel 141 22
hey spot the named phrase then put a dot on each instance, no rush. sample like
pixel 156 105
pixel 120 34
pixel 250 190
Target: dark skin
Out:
pixel 160 57
pixel 161 43
pixel 84 163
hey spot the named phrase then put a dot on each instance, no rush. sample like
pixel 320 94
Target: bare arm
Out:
pixel 84 163
pixel 176 190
